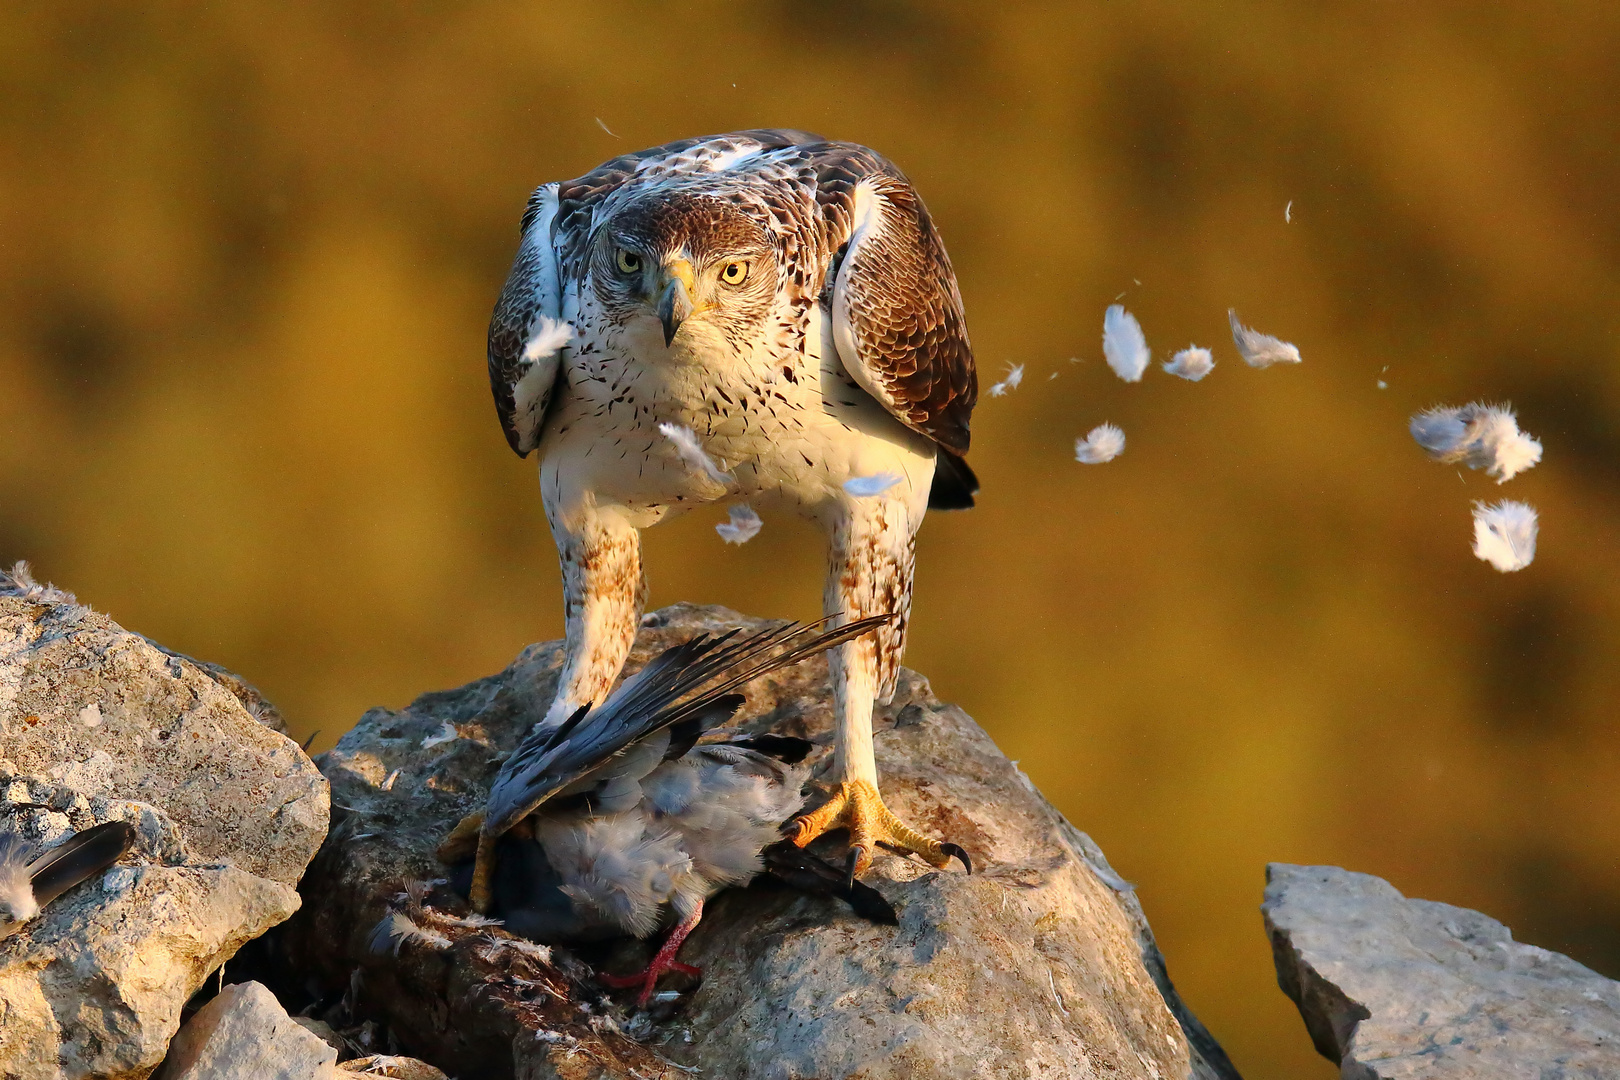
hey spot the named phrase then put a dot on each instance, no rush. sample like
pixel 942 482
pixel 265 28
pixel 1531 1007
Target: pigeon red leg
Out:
pixel 665 961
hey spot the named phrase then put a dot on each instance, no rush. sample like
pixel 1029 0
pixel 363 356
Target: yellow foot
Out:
pixel 468 838
pixel 858 807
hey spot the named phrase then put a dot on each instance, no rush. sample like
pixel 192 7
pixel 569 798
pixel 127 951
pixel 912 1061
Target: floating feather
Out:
pixel 1015 375
pixel 864 487
pixel 445 734
pixel 1479 435
pixel 1191 363
pixel 549 337
pixel 1288 213
pixel 692 452
pixel 743 526
pixel 1260 350
pixel 1505 534
pixel 397 930
pixel 1124 346
pixel 1105 442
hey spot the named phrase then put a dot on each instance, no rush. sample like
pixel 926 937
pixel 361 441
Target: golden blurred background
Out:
pixel 248 251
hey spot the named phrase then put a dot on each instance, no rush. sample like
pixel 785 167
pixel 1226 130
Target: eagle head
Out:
pixel 693 262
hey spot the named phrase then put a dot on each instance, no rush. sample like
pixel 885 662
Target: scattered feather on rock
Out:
pixel 1288 213
pixel 1105 442
pixel 19 581
pixel 445 734
pixel 692 452
pixel 864 487
pixel 743 526
pixel 1505 534
pixel 1478 435
pixel 1260 350
pixel 1015 375
pixel 1191 363
pixel 549 337
pixel 1124 346
pixel 396 930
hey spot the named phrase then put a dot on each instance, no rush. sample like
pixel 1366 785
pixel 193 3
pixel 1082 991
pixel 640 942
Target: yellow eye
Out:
pixel 734 273
pixel 629 262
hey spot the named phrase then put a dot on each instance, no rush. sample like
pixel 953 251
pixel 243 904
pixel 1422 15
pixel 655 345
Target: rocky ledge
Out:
pixel 1039 964
pixel 97 724
pixel 1398 989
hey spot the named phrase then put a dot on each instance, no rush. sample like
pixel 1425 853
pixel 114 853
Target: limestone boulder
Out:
pixel 245 1034
pixel 1399 989
pixel 1039 964
pixel 98 724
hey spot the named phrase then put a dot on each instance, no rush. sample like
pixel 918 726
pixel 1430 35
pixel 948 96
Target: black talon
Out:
pixel 849 873
pixel 956 852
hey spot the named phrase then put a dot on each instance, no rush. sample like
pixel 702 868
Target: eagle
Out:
pixel 784 303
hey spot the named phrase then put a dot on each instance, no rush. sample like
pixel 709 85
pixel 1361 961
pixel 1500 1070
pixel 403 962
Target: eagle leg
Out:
pixel 869 571
pixel 857 806
pixel 664 962
pixel 604 592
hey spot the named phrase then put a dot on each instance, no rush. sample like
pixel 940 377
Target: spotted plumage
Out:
pixel 789 301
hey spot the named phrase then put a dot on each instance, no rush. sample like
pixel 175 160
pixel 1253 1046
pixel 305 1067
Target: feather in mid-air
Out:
pixel 1103 443
pixel 1125 347
pixel 1015 376
pixel 30 878
pixel 1257 349
pixel 788 301
pixel 1505 534
pixel 1191 363
pixel 1478 435
pixel 619 820
pixel 741 524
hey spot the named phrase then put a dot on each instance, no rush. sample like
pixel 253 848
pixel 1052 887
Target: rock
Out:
pixel 322 1031
pixel 245 1034
pixel 1038 964
pixel 1391 987
pixel 97 724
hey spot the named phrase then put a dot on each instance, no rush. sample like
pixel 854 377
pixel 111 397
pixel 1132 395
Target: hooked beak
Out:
pixel 675 302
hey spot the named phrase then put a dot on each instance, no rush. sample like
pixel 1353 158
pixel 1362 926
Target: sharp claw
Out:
pixel 955 852
pixel 855 853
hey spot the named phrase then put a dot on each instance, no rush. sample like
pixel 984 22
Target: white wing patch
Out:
pixel 730 159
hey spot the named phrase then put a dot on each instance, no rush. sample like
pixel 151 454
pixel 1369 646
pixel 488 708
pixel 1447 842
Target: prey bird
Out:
pixel 30 878
pixel 764 318
pixel 619 819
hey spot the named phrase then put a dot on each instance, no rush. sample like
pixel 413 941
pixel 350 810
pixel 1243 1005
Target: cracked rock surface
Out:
pixel 1039 964
pixel 98 724
pixel 1397 989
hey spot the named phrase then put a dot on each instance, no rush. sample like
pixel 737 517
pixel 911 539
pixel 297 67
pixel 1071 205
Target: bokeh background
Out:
pixel 247 253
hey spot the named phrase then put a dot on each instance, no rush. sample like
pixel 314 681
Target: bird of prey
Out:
pixel 620 817
pixel 780 308
pixel 30 879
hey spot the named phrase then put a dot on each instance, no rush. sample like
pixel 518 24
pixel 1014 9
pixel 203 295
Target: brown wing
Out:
pixel 897 314
pixel 522 384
